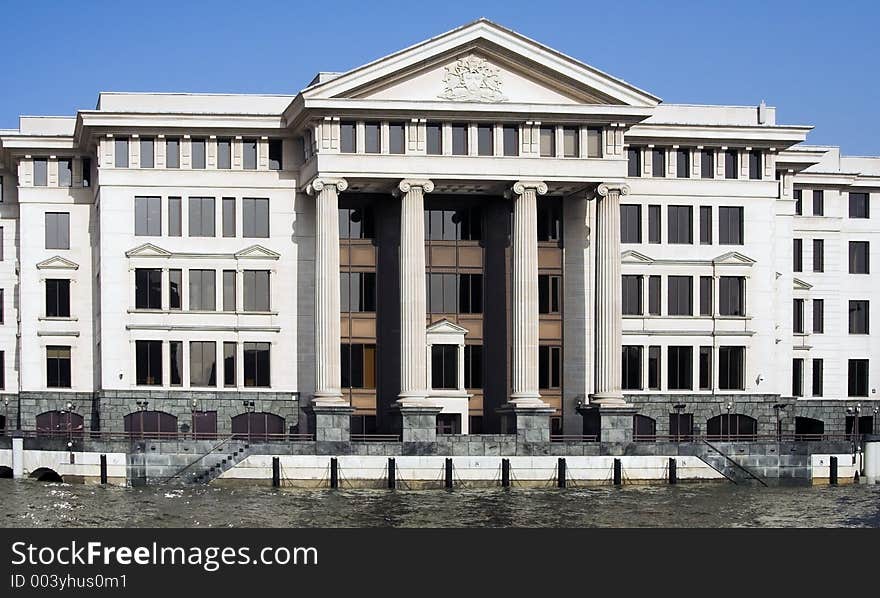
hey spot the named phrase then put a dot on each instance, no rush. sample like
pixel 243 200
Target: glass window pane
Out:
pixel 371 138
pixel 198 153
pixel 249 154
pixel 459 140
pixel 548 141
pixel 511 140
pixel 172 153
pixel 228 216
pixel 434 138
pixel 396 138
pixel 570 142
pixel 224 153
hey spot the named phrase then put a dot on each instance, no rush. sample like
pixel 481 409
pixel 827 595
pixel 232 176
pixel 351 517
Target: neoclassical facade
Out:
pixel 476 234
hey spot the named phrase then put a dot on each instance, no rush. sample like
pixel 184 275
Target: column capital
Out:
pixel 604 189
pixel 317 184
pixel 406 185
pixel 520 187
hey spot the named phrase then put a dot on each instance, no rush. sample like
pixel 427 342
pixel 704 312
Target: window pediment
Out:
pixel 57 263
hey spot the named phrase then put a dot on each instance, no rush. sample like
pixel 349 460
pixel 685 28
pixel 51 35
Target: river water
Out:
pixel 27 503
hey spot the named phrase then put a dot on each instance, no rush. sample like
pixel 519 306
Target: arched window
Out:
pixel 732 426
pixel 150 424
pixel 204 424
pixel 644 428
pixel 258 426
pixel 807 428
pixel 59 423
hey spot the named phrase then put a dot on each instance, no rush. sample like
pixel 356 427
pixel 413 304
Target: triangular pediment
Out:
pixel 485 63
pixel 734 258
pixel 57 263
pixel 257 252
pixel 634 257
pixel 445 327
pixel 147 250
pixel 800 285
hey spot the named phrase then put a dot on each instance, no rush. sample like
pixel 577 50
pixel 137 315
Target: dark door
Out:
pixel 865 426
pixel 258 426
pixel 644 428
pixel 59 423
pixel 681 426
pixel 807 428
pixel 150 424
pixel 204 424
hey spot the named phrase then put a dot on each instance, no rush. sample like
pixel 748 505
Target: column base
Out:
pixel 332 426
pixel 612 398
pixel 612 423
pixel 416 421
pixel 530 420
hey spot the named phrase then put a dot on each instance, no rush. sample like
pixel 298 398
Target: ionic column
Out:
pixel 525 293
pixel 413 303
pixel 609 312
pixel 327 354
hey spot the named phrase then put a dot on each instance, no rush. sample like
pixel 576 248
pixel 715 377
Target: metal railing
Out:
pixel 573 438
pixel 147 435
pixel 743 437
pixel 375 438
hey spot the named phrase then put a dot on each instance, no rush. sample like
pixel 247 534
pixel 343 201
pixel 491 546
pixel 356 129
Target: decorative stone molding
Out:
pixel 406 185
pixel 472 79
pixel 605 188
pixel 520 187
pixel 317 184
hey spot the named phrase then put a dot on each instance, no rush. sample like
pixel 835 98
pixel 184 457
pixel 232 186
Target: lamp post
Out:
pixel 779 408
pixel 6 416
pixel 729 407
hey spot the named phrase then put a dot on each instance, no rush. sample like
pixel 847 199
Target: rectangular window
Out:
pixel 857 378
pixel 797 377
pixel 202 363
pixel 631 369
pixel 630 223
pixel 859 257
pixel 255 217
pixel 444 366
pixel 256 290
pixel 65 173
pixel 224 153
pixel 229 291
pixel 730 225
pixel 175 285
pixel 683 163
pixel 859 317
pixel 755 165
pixel 230 351
pixel 198 153
pixel 57 230
pixel 358 290
pixel 175 227
pixel 653 295
pixel 731 164
pixel 594 143
pixel 653 368
pixel 571 142
pixel 358 366
pixel 356 223
pixel 732 295
pixel 172 153
pixel 632 295
pixel 228 206
pixel 798 202
pixel 256 365
pixel 470 293
pixel 3 379
pixel 148 288
pixel 148 358
pixel 680 227
pixel 147 216
pixel 86 175
pixel 549 367
pixel 818 202
pixel 348 137
pixel 547 138
pixel 549 222
pixel 705 368
pixel 485 140
pixel 549 294
pixel 818 316
pixel 818 255
pixel 57 366
pixel 202 290
pixel 276 152
pixel 2 307
pixel 818 378
pixel 201 216
pixel 706 284
pixel 731 368
pixel 859 206
pixel 680 300
pixel 147 155
pixel 372 138
pixel 121 148
pixel 798 316
pixel 459 140
pixel 434 139
pixel 57 298
pixel 707 164
pixel 705 225
pixel 511 140
pixel 797 255
pixel 442 293
pixel 679 371
pixel 655 224
pixel 396 138
pixel 658 162
pixel 41 172
pixel 473 366
pixel 249 154
pixel 175 351
pixel 634 161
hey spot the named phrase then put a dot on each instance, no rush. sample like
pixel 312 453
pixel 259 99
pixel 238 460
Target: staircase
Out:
pixel 222 457
pixel 728 466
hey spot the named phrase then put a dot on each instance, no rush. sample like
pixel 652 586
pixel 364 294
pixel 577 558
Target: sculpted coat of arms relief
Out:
pixel 472 79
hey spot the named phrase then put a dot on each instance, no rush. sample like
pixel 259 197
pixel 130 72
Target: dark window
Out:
pixel 634 161
pixel 658 162
pixel 198 153
pixel 594 143
pixel 511 140
pixel 680 225
pixel 2 307
pixel 356 223
pixel 256 365
pixel 731 368
pixel 358 290
pixel 396 138
pixel 276 152
pixel 859 257
pixel 175 287
pixel 798 316
pixel 229 364
pixel 731 164
pixel 459 140
pixel 259 426
pixel 444 366
pixel 730 225
pixel 679 372
pixel 547 137
pixel 228 225
pixel 632 368
pixel 630 223
pixel 442 293
pixel 358 366
pixel 755 165
pixel 732 426
pixel 732 295
pixel 172 153
pixel 121 148
pixel 807 428
pixel 57 230
pixel 485 140
pixel 681 425
pixel 683 163
pixel 148 288
pixel 706 284
pixel 571 142
pixel 680 300
pixel 256 290
pixel 549 222
pixel 818 202
pixel 434 139
pixel 203 363
pixel 470 293
pixel 201 216
pixel 255 217
pixel 175 351
pixel 3 385
pixel 859 206
pixel 818 378
pixel 705 373
pixel 707 164
pixel 57 298
pixel 229 294
pixel 655 224
pixel 65 172
pixel 818 316
pixel 798 202
pixel 149 363
pixel 654 295
pixel 224 153
pixel 857 376
pixel 818 255
pixel 797 377
pixel 174 217
pixel 549 367
pixel 473 366
pixel 372 138
pixel 705 225
pixel 86 175
pixel 249 154
pixel 57 366
pixel 465 224
pixel 632 295
pixel 797 255
pixel 41 172
pixel 654 368
pixel 202 290
pixel 348 137
pixel 148 216
pixel 858 317
pixel 549 294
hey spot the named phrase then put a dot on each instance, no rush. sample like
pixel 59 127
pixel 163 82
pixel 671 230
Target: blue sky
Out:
pixel 815 61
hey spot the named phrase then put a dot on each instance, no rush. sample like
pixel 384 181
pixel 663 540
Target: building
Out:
pixel 475 234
